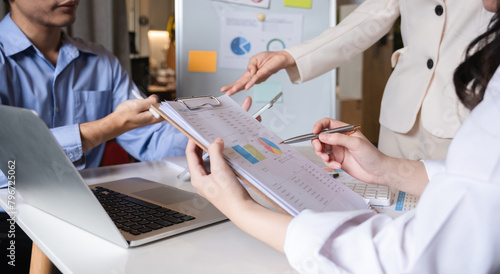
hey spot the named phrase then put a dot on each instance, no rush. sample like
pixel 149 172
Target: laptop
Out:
pixel 132 211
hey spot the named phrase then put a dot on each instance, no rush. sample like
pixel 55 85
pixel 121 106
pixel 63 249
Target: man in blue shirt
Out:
pixel 78 88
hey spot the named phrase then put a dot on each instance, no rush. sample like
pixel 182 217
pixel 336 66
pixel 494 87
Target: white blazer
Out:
pixel 435 36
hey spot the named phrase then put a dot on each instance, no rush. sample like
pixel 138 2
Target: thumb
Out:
pixel 215 150
pixel 152 100
pixel 338 139
pixel 252 65
pixel 247 103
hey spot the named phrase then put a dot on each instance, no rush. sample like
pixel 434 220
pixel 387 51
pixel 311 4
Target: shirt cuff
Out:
pixel 293 73
pixel 70 141
pixel 307 233
pixel 433 167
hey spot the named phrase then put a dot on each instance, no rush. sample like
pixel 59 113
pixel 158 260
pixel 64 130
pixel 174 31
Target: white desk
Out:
pixel 220 248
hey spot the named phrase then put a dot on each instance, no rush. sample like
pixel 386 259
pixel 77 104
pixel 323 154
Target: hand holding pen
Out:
pixel 349 129
pixel 139 96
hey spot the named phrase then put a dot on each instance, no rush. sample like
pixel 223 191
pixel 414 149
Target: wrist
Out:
pixel 289 61
pixel 97 132
pixel 239 207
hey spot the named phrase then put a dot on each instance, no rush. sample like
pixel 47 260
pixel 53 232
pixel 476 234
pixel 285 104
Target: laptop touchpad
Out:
pixel 166 195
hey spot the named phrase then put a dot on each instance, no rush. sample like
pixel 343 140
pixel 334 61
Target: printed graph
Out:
pixel 240 46
pixel 270 146
pixel 249 153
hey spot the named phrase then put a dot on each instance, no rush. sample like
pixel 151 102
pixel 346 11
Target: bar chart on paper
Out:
pixel 276 170
pixel 249 153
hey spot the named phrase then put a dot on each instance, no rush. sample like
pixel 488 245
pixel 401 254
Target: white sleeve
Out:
pixel 454 229
pixel 434 167
pixel 358 31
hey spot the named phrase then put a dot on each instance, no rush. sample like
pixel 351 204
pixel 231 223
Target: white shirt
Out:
pixel 454 229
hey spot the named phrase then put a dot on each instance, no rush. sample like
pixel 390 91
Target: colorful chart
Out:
pixel 250 153
pixel 275 45
pixel 270 146
pixel 240 46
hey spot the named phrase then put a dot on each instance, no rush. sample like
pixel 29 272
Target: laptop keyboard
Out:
pixel 137 216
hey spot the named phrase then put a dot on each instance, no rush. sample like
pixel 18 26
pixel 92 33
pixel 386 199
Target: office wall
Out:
pixel 198 28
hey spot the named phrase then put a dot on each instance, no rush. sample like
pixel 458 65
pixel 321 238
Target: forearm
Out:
pixel 264 224
pixel 97 132
pixel 358 31
pixel 406 175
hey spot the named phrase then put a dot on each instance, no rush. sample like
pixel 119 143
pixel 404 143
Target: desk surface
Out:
pixel 220 248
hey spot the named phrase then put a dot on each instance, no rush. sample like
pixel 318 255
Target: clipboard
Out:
pixel 195 103
pixel 253 153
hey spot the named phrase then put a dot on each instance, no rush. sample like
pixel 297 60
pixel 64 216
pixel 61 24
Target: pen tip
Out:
pixel 282 142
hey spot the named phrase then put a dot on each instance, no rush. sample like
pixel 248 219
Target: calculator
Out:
pixel 377 195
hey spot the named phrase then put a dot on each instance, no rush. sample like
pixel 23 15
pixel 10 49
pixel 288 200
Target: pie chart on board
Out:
pixel 270 146
pixel 240 46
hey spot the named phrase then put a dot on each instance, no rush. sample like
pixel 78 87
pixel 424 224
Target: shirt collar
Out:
pixel 12 38
pixel 15 41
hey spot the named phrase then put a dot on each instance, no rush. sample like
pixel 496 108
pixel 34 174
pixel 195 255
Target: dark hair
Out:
pixel 482 59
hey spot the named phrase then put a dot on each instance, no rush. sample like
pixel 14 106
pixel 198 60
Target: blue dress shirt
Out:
pixel 86 84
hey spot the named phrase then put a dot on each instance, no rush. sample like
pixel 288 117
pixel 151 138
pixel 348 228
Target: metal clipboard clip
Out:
pixel 196 102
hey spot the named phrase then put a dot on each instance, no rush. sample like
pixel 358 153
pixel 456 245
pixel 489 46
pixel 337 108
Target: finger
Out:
pixel 321 125
pixel 247 103
pixel 194 160
pixel 225 88
pixel 260 76
pixel 217 162
pixel 238 85
pixel 338 139
pixel 254 80
pixel 151 100
pixel 326 123
pixel 317 146
pixel 252 65
pixel 318 150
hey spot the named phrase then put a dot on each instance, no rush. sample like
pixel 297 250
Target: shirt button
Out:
pixel 439 10
pixel 57 109
pixel 430 64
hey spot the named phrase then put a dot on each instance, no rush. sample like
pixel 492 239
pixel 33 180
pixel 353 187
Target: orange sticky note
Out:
pixel 202 61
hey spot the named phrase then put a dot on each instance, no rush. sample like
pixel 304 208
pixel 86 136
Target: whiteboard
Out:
pixel 198 28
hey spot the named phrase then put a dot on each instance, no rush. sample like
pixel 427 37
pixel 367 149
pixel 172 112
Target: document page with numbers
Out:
pixel 277 171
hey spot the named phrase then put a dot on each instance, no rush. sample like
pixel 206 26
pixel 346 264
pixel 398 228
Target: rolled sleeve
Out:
pixel 70 141
pixel 433 167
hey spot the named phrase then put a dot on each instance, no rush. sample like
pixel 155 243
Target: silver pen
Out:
pixel 255 115
pixel 267 106
pixel 345 129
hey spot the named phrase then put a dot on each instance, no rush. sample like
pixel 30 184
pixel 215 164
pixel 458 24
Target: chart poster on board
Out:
pixel 244 34
pixel 253 3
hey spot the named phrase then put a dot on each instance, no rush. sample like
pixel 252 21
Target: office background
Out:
pixel 359 83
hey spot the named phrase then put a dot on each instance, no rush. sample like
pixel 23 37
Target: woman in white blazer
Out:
pixel 420 112
pixel 454 229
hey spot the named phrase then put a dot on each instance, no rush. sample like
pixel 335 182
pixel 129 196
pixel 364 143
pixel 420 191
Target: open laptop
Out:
pixel 47 180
